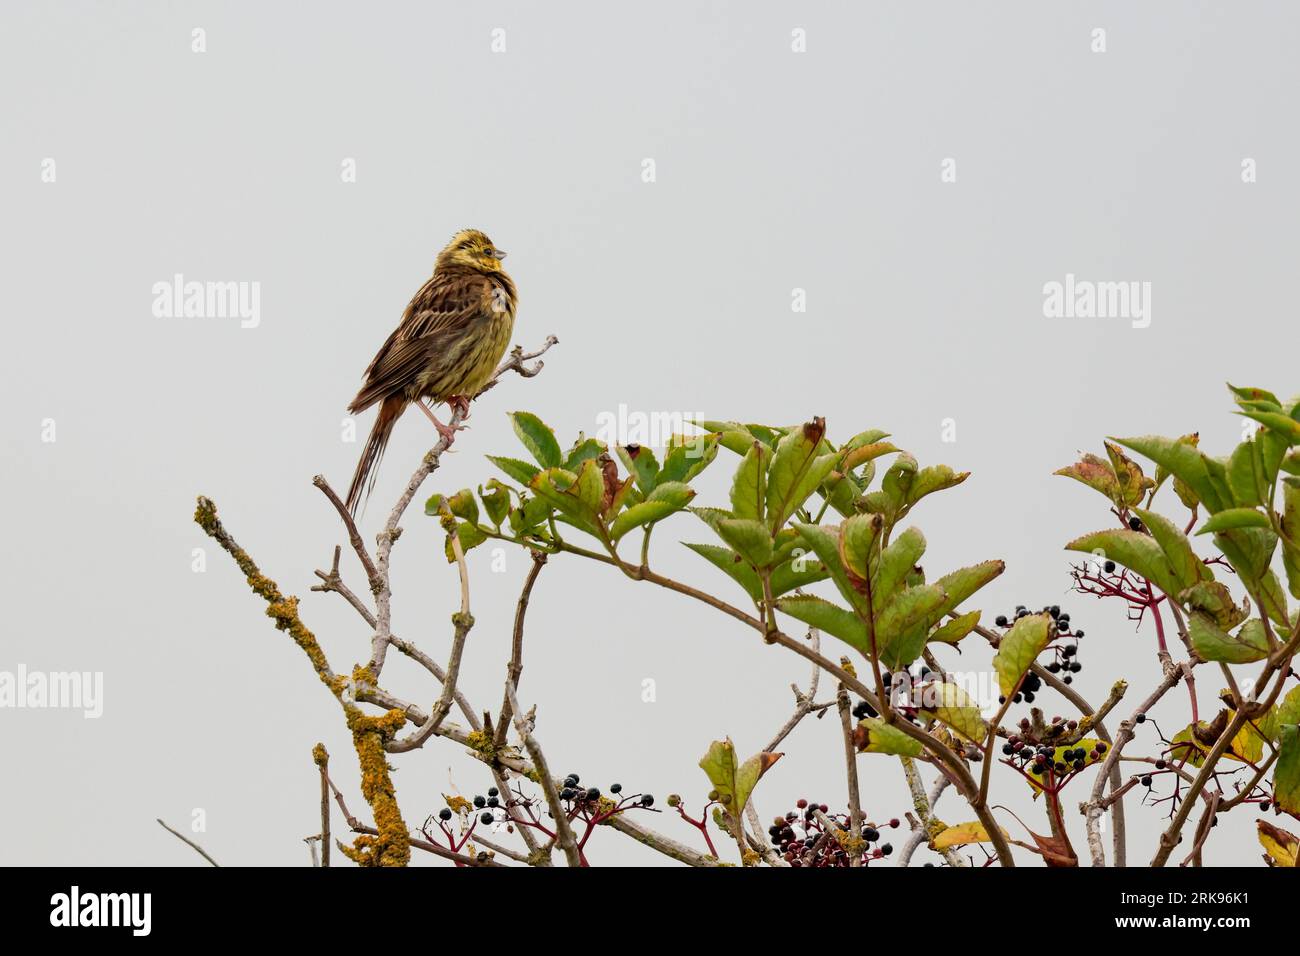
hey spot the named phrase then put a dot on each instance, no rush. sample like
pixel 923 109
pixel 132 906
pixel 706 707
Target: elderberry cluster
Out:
pixel 1065 656
pixel 802 839
pixel 574 793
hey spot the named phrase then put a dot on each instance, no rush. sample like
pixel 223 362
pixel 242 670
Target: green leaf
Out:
pixel 1254 395
pixel 897 483
pixel 1291 543
pixel 749 538
pixel 1213 599
pixel 734 781
pixel 666 499
pixel 1181 459
pixel 962 583
pixel 796 471
pixel 749 486
pixel 798 572
pixel 577 497
pixel 1096 473
pixel 733 565
pixel 1136 551
pixel 1286 775
pixel 854 455
pixel 434 504
pixel 857 545
pixel 1187 567
pixel 902 627
pixel 1286 712
pixel 496 500
pixel 828 617
pixel 640 464
pixel 517 470
pixel 825 543
pixel 952 706
pixel 1234 518
pixel 1250 551
pixel 954 630
pixel 895 562
pixel 687 458
pixel 1212 643
pixel 583 449
pixel 1132 484
pixel 463 505
pixel 1285 426
pixel 874 736
pixel 538 438
pixel 1245 475
pixel 932 479
pixel 470 535
pixel 1020 647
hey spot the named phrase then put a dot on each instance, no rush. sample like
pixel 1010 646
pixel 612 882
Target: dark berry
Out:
pixel 444 814
pixel 486 818
pixel 647 800
pixel 480 802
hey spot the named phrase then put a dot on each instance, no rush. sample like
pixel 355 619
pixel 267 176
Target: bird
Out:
pixel 452 335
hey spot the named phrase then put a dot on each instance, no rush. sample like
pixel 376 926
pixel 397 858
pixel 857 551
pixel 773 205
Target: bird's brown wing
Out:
pixel 442 310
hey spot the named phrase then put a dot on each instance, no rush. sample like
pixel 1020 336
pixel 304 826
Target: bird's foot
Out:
pixel 459 403
pixel 448 432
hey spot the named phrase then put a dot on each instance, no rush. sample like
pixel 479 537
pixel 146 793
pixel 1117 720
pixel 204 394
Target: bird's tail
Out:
pixel 364 477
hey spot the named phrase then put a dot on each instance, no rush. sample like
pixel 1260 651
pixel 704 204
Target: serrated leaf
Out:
pixel 1231 518
pixel 1281 847
pixel 1131 482
pixel 749 485
pixel 874 736
pixel 1135 551
pixel 520 471
pixel 1212 643
pixel 962 583
pixel 749 538
pixel 961 834
pixel 931 479
pixel 825 543
pixel 828 617
pixel 463 505
pixel 733 565
pixel 734 781
pixel 895 562
pixel 668 498
pixel 1181 459
pixel 583 449
pixel 796 471
pixel 1286 773
pixel 857 543
pixel 1187 567
pixel 687 457
pixel 952 706
pixel 1285 426
pixel 496 500
pixel 641 465
pixel 1250 551
pixel 538 438
pixel 577 497
pixel 798 572
pixel 1215 600
pixel 1096 473
pixel 954 630
pixel 1020 647
pixel 902 627
pixel 470 536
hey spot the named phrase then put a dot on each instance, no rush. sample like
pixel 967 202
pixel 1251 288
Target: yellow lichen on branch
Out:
pixel 392 847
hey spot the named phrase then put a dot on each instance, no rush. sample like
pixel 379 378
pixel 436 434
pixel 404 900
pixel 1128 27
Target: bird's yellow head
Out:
pixel 471 249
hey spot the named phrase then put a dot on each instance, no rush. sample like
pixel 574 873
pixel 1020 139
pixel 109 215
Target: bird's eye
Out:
pixel 490 253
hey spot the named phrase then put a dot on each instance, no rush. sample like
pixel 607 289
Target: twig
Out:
pixel 194 846
pixel 657 841
pixel 851 770
pixel 321 758
pixel 516 666
pixel 563 832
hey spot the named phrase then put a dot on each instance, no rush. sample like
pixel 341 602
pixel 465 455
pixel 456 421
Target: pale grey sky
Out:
pixel 775 170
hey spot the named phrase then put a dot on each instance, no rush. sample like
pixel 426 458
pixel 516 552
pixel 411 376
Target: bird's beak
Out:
pixel 500 254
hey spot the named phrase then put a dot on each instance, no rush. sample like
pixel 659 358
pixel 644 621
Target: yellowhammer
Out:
pixel 451 337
